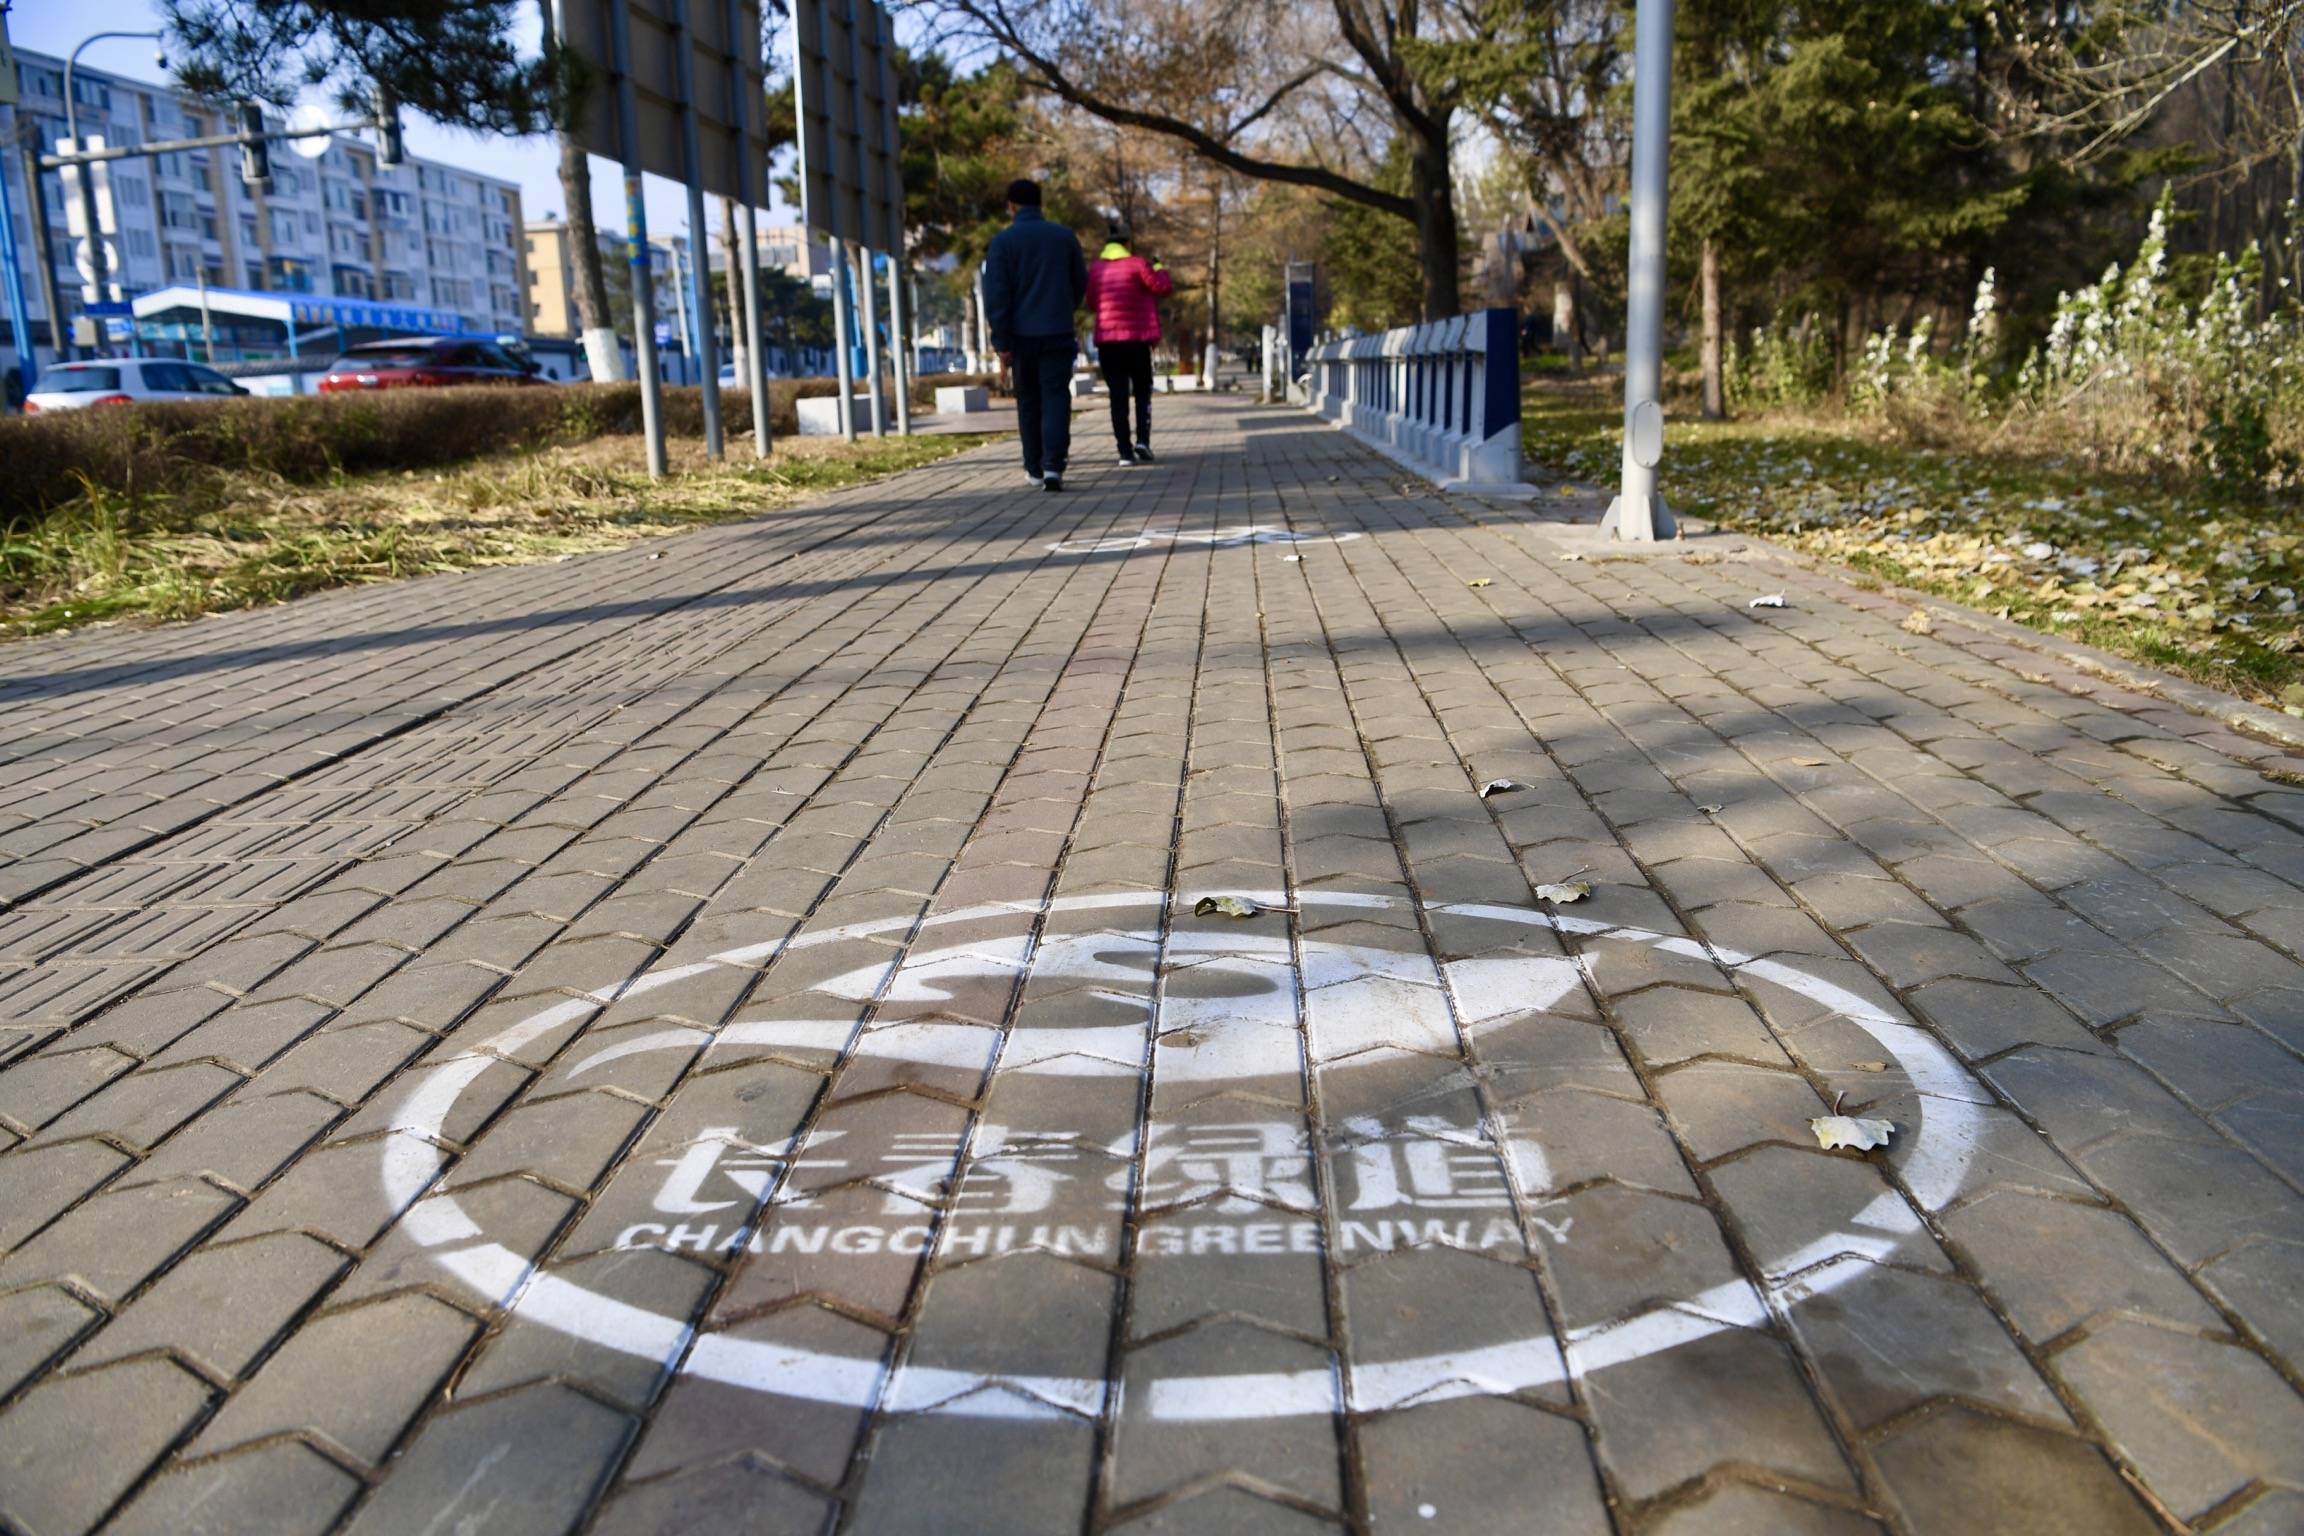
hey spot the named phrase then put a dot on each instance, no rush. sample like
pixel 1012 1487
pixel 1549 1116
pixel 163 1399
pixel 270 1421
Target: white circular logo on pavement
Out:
pixel 1219 538
pixel 1208 1013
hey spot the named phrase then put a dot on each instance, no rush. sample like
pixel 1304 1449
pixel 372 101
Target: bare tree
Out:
pixel 1225 80
pixel 2225 78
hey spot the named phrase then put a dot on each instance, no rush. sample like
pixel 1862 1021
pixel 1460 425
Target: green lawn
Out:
pixel 2179 576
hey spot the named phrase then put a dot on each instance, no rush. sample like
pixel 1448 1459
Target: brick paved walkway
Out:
pixel 716 1037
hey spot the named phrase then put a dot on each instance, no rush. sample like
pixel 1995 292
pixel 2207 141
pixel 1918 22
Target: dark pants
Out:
pixel 1043 369
pixel 1127 369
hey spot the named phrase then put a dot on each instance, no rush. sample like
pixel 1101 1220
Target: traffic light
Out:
pixel 255 153
pixel 389 149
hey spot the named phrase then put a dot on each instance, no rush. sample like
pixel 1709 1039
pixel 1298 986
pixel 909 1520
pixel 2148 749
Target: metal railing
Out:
pixel 1443 396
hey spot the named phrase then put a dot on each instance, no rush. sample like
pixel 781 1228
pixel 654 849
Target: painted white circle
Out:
pixel 1349 998
pixel 1219 538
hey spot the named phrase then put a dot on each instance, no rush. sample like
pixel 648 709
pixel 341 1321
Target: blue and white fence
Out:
pixel 1443 397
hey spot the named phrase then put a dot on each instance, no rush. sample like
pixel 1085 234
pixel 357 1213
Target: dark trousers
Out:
pixel 1127 369
pixel 1043 370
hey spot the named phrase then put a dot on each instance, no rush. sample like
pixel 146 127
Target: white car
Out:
pixel 124 381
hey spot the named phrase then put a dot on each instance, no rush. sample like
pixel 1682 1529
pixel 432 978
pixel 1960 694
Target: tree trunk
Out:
pixel 732 258
pixel 1708 270
pixel 593 315
pixel 1433 191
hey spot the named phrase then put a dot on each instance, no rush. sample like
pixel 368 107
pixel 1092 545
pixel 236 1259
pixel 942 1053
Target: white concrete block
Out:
pixel 820 415
pixel 961 399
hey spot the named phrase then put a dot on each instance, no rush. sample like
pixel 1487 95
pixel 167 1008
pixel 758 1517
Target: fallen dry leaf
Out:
pixel 1480 581
pixel 1500 787
pixel 1571 556
pixel 1772 600
pixel 1868 1066
pixel 1917 622
pixel 1711 810
pixel 1834 1131
pixel 1563 892
pixel 1230 906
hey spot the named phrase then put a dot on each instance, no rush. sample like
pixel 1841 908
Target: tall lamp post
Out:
pixel 1639 514
pixel 87 174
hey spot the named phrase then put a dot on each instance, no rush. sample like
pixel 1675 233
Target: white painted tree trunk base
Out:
pixel 605 355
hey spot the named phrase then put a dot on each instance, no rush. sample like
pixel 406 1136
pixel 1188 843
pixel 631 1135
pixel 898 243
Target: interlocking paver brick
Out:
pixel 73 1445
pixel 286 1488
pixel 36 1325
pixel 529 1461
pixel 2199 1419
pixel 1477 1465
pixel 397 1350
pixel 1454 1217
pixel 1739 1509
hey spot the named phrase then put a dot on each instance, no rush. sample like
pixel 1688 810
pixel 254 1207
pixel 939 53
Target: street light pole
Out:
pixel 1640 514
pixel 87 173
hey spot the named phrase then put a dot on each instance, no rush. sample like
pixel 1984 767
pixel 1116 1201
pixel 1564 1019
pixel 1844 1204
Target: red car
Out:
pixel 428 362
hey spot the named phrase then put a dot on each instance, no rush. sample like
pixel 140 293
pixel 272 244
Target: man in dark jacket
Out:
pixel 1034 278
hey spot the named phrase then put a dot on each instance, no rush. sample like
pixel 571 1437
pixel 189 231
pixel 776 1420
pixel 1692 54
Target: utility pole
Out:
pixel 1639 514
pixel 42 241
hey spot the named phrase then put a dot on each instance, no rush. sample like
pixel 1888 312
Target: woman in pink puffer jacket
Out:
pixel 1124 291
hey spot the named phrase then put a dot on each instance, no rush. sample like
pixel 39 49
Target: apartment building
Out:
pixel 550 259
pixel 338 226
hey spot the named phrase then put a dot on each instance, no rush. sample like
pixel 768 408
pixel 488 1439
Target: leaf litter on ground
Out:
pixel 1561 892
pixel 1852 1131
pixel 1232 906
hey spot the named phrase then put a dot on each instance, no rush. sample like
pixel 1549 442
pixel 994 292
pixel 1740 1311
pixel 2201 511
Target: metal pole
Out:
pixel 207 321
pixel 87 175
pixel 748 177
pixel 699 268
pixel 750 261
pixel 899 345
pixel 683 269
pixel 45 267
pixel 19 322
pixel 871 342
pixel 636 243
pixel 846 362
pixel 1640 514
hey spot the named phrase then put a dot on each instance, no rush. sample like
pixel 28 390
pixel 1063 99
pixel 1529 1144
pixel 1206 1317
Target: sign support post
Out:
pixel 700 296
pixel 636 246
pixel 872 379
pixel 750 176
pixel 900 344
pixel 843 342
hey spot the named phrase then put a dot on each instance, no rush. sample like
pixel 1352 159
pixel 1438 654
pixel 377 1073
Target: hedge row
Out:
pixel 171 447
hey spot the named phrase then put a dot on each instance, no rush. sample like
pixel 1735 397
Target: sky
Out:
pixel 56 27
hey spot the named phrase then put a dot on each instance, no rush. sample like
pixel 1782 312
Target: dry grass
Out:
pixel 254 537
pixel 2175 569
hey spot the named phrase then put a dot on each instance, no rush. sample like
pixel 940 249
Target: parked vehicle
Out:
pixel 429 362
pixel 124 381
